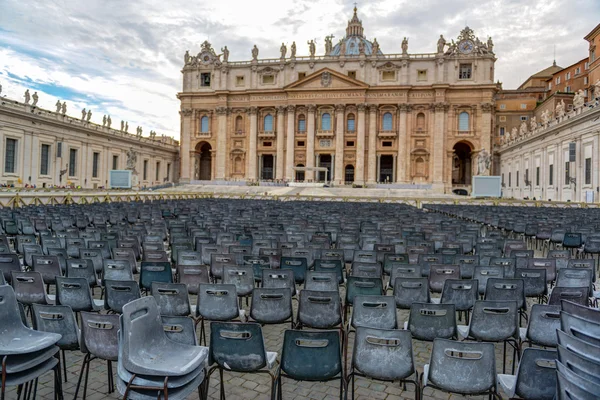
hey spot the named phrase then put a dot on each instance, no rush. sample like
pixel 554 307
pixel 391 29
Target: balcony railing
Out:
pixel 203 134
pixel 326 133
pixel 266 134
pixel 387 134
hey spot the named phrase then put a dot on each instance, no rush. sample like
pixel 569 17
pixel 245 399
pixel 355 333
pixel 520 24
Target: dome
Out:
pixel 353 40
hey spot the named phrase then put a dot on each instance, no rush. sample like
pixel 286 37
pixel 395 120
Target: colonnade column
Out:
pixel 438 144
pixel 401 159
pixel 486 131
pixel 289 146
pixel 359 176
pixel 220 172
pixel 372 152
pixel 186 133
pixel 339 144
pixel 251 170
pixel 280 136
pixel 310 143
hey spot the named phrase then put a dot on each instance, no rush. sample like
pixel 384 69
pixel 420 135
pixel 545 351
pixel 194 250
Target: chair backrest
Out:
pixel 118 270
pixel 508 263
pixel 573 386
pixel 217 302
pixel 271 305
pixel 482 274
pixel 374 312
pixel 240 276
pixel 154 272
pixel 536 374
pixel 591 314
pixel 189 257
pixel 9 262
pixel 57 319
pixel 321 280
pixel 101 245
pixel 544 320
pixel 549 264
pixel 119 293
pixel 574 277
pixel 439 273
pixel 410 290
pixel 494 320
pixel 534 280
pixel 366 269
pixel 405 271
pixel 180 329
pixel 334 266
pixel 578 346
pixel 237 347
pixel 384 354
pixel 580 328
pixel 356 286
pixel 82 268
pixel 297 264
pixel 461 292
pixel 74 292
pixel 430 321
pixel 578 295
pixel 29 287
pixel 172 299
pixel 29 250
pixel 95 255
pixel 506 289
pixel 583 263
pixel 579 364
pixel 311 356
pixel 319 309
pixel 279 278
pixel 99 335
pixel 154 252
pixel 192 276
pixel 462 367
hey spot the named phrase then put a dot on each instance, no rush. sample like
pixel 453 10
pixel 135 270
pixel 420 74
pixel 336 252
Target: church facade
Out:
pixel 353 115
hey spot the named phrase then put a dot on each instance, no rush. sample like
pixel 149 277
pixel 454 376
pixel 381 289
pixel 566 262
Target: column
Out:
pixel 438 144
pixel 402 134
pixel 186 132
pixel 280 144
pixel 486 129
pixel 251 170
pixel 221 149
pixel 359 171
pixel 339 144
pixel 310 143
pixel 372 151
pixel 289 147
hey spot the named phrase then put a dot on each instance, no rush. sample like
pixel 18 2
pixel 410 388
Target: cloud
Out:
pixel 124 58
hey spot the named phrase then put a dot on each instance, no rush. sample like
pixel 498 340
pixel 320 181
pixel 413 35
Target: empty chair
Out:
pixel 29 250
pixel 76 293
pixel 9 263
pixel 535 378
pixel 171 298
pixel 579 346
pixel 544 320
pixel 549 264
pixel 575 277
pixel 192 276
pixel 95 255
pixel 572 386
pixel 217 261
pixel 392 260
pixel 279 278
pixel 411 290
pixel 82 268
pixel 217 302
pixel 430 321
pixel 334 266
pixel 272 306
pixel 318 280
pixel 29 288
pixel 366 269
pixel 154 272
pixel 579 295
pixel 534 281
pixel 357 286
pixel 438 274
pixel 240 276
pixel 404 271
pixel 297 264
pixel 61 255
pixel 462 293
pixel 118 270
pixel 119 293
pixel 579 364
pixel 507 289
pixel 580 328
pixel 319 309
pixel 466 368
pixel 591 314
pixel 180 329
pixel 482 274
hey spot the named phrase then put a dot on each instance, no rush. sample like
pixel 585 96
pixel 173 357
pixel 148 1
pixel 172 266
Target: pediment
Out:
pixel 324 79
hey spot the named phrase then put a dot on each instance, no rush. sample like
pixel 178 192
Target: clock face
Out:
pixel 466 46
pixel 205 57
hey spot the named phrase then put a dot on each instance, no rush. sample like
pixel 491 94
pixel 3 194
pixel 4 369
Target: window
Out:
pixel 585 80
pixel 586 65
pixel 568 89
pixel 239 124
pixel 301 123
pixel 501 131
pixel 527 183
pixel 502 179
pixel 10 156
pixel 145 171
pixel 588 171
pixel 204 124
pixel 95 162
pixel 115 163
pixel 524 118
pixel 239 81
pixel 567 172
pixel 509 176
pixel 301 75
pixel 72 162
pixel 537 176
pixel 551 174
pixel 388 75
pixel 503 106
pixel 326 122
pixel 268 123
pixel 205 79
pixel 464 71
pixel 517 179
pixel 523 106
pixel 350 126
pixel 157 171
pixel 45 162
pixel 549 85
pixel 463 121
pixel 268 79
pixel 168 177
pixel 352 74
pixel 422 75
pixel 420 121
pixel 387 121
pixel 502 118
pixel 568 76
pixel 267 144
pixel 558 80
pixel 386 144
pixel 577 70
pixel 350 143
pixel 300 143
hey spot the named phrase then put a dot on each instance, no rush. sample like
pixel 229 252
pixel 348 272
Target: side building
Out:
pixel 352 115
pixel 47 149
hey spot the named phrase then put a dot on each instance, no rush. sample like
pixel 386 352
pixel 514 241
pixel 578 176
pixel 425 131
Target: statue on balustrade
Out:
pixel 293 50
pixel 533 124
pixel 108 122
pixel 27 96
pixel 560 109
pixel 375 47
pixel 104 121
pixel 255 53
pixel 64 108
pixel 89 115
pixel 523 129
pixel 35 98
pixel 283 50
pixel 225 51
pixel 58 105
pixel 312 48
pixel 404 46
pixel 83 114
pixel 441 44
pixel 579 99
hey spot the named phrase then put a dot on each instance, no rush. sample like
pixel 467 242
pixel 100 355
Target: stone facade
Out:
pixel 47 148
pixel 364 115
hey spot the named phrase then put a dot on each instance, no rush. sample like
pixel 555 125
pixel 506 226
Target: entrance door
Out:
pixel 266 173
pixel 349 174
pixel 386 168
pixel 300 174
pixel 325 162
pixel 205 162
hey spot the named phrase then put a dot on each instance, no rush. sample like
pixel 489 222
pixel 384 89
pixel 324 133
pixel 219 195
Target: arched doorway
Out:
pixel 349 174
pixel 325 162
pixel 203 161
pixel 461 168
pixel 300 174
pixel 386 169
pixel 266 170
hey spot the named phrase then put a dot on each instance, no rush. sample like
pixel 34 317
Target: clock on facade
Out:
pixel 466 46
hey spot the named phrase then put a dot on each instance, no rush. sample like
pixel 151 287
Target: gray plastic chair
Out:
pixel 482 274
pixel 580 365
pixel 462 293
pixel 8 263
pixel 573 386
pixel 240 276
pixel 410 290
pixel 319 309
pixel 216 302
pixel 544 320
pixel 580 328
pixel 29 288
pixel 439 273
pixel 579 295
pixel 117 270
pixel 321 280
pixel 466 368
pixel 272 306
pixel 119 293
pixel 180 329
pixel 192 276
pixel 172 299
pixel 591 314
pixel 377 312
pixel 535 378
pixel 384 355
pixel 578 346
pixel 76 293
pixel 430 321
pixel 82 268
pixel 278 278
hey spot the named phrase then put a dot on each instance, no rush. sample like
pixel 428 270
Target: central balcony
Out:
pixel 325 134
pixel 267 134
pixel 387 134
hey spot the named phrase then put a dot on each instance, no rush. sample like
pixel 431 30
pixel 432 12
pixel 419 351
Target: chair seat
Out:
pixel 180 393
pixel 174 382
pixel 463 331
pixel 508 384
pixel 99 304
pixel 241 313
pixel 22 362
pixel 178 360
pixel 32 373
pixel 28 341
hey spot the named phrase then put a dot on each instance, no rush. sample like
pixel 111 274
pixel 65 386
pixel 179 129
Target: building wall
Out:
pixel 593 39
pixel 570 79
pixel 33 127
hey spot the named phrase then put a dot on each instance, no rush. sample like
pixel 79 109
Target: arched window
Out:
pixel 238 165
pixel 350 126
pixel 387 121
pixel 268 123
pixel 420 166
pixel 239 124
pixel 301 123
pixel 204 124
pixel 463 121
pixel 326 122
pixel 421 121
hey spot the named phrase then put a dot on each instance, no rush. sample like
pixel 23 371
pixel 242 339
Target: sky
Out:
pixel 124 57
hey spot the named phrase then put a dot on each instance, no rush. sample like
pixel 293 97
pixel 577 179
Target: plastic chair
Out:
pixel 334 266
pixel 272 306
pixel 384 355
pixel 377 312
pixel 75 292
pixel 462 293
pixel 92 254
pixel 117 270
pixel 119 293
pixel 580 328
pixel 544 320
pixel 465 368
pixel 549 264
pixel 579 346
pixel 428 321
pixel 482 274
pixel 239 347
pixel 310 356
pixel 535 378
pixel 29 288
pixel 8 263
pixel 404 271
pixel 356 286
pixel 572 386
pixel 579 364
pixel 366 269
pixel 410 290
pixel 508 289
pixel 297 264
pixel 180 329
pixel 154 272
pixel 217 261
pixel 240 276
pixel 591 314
pixel 172 299
pixel 192 276
pixel 393 260
pixel 579 295
pixel 82 268
pixel 216 302
pixel 278 278
pixel 321 280
pixel 438 274
pixel 319 310
pixel 534 280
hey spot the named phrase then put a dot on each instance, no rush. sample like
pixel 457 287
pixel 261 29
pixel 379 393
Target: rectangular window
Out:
pixel 157 171
pixel 386 144
pixel 585 80
pixel 351 126
pixel 352 74
pixel 302 125
pixel 588 171
pixel 577 70
pixel 465 71
pixel 501 131
pixel 115 164
pixel 350 143
pixel 205 79
pixel 10 156
pixel 567 172
pixel 422 75
pixel 301 75
pixel 517 179
pixel 388 75
pixel 502 118
pixel 45 161
pixel 586 65
pixel 145 171
pixel 300 143
pixel 503 106
pixel 509 179
pixel 537 176
pixel 551 174
pixel 239 80
pixel 523 106
pixel 527 183
pixel 72 162
pixel 523 118
pixel 267 144
pixel 168 172
pixel 568 76
pixel 268 79
pixel 568 89
pixel 95 162
pixel 549 85
pixel 558 80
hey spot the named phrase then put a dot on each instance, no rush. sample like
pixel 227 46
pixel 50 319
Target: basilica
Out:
pixel 353 115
